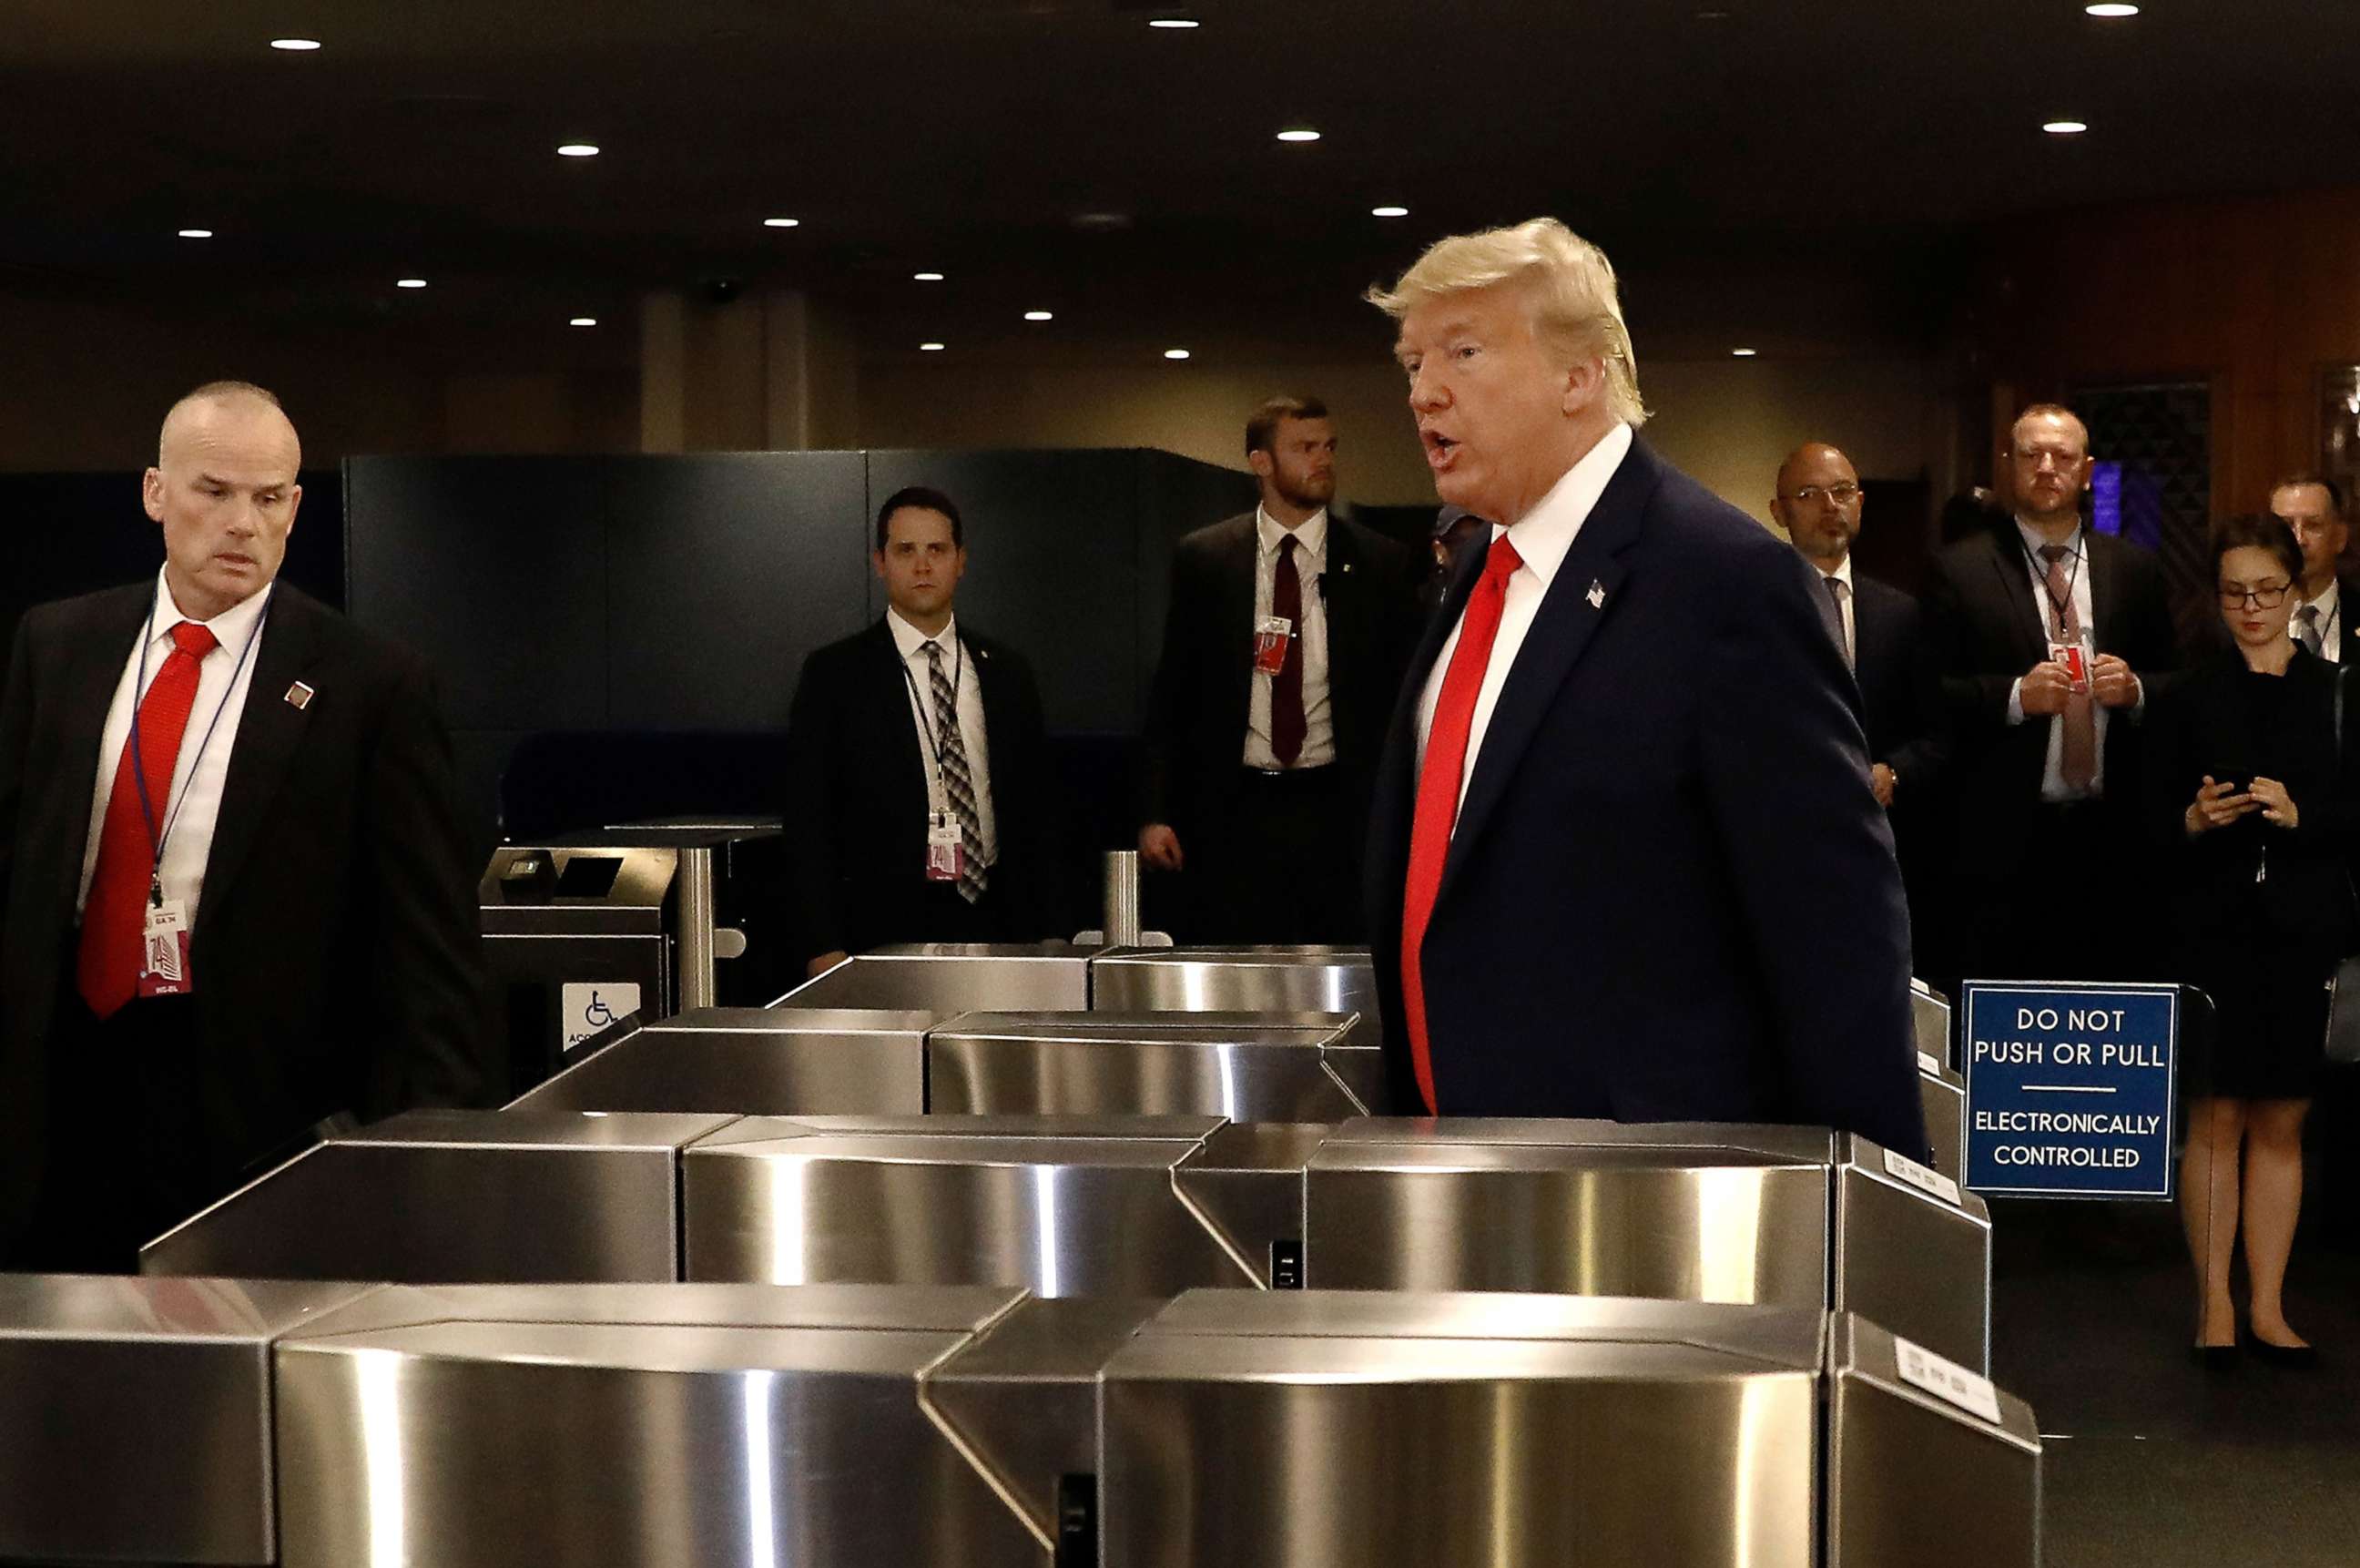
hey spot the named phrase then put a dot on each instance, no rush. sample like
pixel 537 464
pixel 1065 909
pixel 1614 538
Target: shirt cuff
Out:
pixel 2016 702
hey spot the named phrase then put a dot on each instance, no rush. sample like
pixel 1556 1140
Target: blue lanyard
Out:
pixel 140 764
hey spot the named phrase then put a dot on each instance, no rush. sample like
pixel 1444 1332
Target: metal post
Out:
pixel 695 912
pixel 1120 906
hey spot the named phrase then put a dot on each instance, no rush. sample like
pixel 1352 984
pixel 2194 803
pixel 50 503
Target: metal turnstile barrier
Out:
pixel 1248 1067
pixel 1929 1013
pixel 955 977
pixel 754 1061
pixel 1241 979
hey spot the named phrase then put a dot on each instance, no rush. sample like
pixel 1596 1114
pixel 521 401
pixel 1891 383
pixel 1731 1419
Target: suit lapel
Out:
pixel 1396 790
pixel 1233 638
pixel 1569 615
pixel 271 728
pixel 893 682
pixel 2015 581
pixel 93 667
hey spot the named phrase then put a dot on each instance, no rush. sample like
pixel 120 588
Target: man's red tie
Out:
pixel 113 920
pixel 1438 789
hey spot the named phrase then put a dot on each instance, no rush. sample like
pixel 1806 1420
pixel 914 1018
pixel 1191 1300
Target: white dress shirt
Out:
pixel 2331 621
pixel 197 775
pixel 959 665
pixel 1541 536
pixel 2053 787
pixel 1844 601
pixel 1310 566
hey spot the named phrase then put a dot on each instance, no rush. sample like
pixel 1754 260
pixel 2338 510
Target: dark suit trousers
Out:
pixel 1278 862
pixel 126 1148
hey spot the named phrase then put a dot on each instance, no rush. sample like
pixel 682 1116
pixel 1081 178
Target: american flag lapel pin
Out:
pixel 299 696
pixel 1597 595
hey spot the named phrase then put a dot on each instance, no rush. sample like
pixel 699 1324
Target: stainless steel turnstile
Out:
pixel 1247 1067
pixel 1930 1012
pixel 456 1195
pixel 1942 1095
pixel 955 977
pixel 1239 980
pixel 754 1061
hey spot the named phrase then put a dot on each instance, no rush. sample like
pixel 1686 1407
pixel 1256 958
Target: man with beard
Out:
pixel 2051 638
pixel 1283 649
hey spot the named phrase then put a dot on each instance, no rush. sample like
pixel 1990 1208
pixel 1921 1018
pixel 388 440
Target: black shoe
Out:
pixel 2214 1358
pixel 2295 1357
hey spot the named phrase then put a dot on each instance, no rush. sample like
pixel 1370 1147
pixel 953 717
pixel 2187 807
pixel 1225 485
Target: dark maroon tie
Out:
pixel 1286 686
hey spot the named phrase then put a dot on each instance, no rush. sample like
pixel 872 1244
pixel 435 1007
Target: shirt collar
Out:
pixel 2328 600
pixel 230 627
pixel 1544 535
pixel 1841 574
pixel 2035 540
pixel 908 639
pixel 1310 535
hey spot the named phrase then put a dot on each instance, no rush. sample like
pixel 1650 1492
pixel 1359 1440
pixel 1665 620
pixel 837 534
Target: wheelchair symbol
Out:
pixel 598 1014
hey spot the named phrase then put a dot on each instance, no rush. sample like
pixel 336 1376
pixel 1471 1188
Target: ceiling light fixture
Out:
pixel 930 348
pixel 2111 13
pixel 196 234
pixel 582 321
pixel 782 223
pixel 1388 212
pixel 410 282
pixel 1038 316
pixel 578 149
pixel 1298 133
pixel 1174 24
pixel 295 46
pixel 927 277
pixel 2064 128
pixel 1743 352
pixel 1175 353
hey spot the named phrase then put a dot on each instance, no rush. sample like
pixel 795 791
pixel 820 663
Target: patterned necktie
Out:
pixel 1286 722
pixel 2081 764
pixel 958 784
pixel 106 964
pixel 1836 618
pixel 1437 789
pixel 2308 632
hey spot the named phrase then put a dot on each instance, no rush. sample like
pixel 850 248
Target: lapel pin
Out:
pixel 299 696
pixel 1597 595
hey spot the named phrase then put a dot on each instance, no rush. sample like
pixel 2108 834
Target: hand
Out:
pixel 824 962
pixel 2045 689
pixel 1159 847
pixel 1880 781
pixel 2214 806
pixel 2111 683
pixel 2277 806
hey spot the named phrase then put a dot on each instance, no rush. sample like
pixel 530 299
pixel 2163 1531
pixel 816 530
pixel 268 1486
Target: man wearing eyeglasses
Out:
pixel 2312 505
pixel 2051 638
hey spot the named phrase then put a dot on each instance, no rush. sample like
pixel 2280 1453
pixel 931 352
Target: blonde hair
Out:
pixel 1575 308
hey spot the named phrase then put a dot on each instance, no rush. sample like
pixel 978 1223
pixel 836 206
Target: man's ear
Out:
pixel 151 493
pixel 1585 384
pixel 1260 463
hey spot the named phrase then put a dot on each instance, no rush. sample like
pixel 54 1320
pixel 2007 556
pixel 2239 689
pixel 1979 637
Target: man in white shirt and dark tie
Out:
pixel 2312 505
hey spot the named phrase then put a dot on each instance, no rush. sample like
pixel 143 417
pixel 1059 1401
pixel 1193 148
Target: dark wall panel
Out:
pixel 724 571
pixel 494 568
pixel 1049 565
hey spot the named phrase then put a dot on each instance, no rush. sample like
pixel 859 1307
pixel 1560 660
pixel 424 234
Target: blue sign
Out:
pixel 2069 1088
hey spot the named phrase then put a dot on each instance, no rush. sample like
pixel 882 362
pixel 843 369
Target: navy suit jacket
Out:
pixel 1670 895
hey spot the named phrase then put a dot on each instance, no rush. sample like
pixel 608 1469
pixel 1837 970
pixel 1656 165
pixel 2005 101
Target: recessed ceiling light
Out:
pixel 410 282
pixel 196 234
pixel 1388 212
pixel 578 149
pixel 927 277
pixel 2111 12
pixel 930 348
pixel 1743 352
pixel 1175 353
pixel 1038 316
pixel 295 46
pixel 1174 24
pixel 782 223
pixel 582 321
pixel 2064 128
pixel 1298 133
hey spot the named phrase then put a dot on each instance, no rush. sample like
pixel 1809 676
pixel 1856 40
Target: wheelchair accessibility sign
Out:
pixel 583 1010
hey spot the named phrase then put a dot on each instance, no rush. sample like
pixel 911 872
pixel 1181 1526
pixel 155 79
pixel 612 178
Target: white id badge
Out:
pixel 945 852
pixel 1271 634
pixel 164 950
pixel 2077 656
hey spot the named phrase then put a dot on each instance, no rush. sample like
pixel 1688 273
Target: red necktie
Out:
pixel 1438 788
pixel 1286 720
pixel 107 970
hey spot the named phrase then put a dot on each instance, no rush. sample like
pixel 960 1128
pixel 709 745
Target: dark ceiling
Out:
pixel 970 136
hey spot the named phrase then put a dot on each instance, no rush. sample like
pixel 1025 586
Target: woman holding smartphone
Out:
pixel 2246 787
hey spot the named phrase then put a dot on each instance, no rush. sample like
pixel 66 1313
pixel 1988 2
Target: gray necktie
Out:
pixel 2308 632
pixel 1835 618
pixel 959 786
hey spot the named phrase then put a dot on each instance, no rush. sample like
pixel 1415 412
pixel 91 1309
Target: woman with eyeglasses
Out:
pixel 2246 787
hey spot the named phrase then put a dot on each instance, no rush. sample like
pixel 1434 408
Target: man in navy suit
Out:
pixel 1819 503
pixel 1624 858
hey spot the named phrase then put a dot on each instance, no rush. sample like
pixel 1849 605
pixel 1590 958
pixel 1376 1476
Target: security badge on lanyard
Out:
pixel 1271 634
pixel 946 846
pixel 164 933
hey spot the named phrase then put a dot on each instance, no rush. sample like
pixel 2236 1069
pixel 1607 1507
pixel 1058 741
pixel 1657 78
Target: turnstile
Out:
pixel 1248 1067
pixel 955 977
pixel 1239 980
pixel 753 1061
pixel 1930 1014
pixel 456 1195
